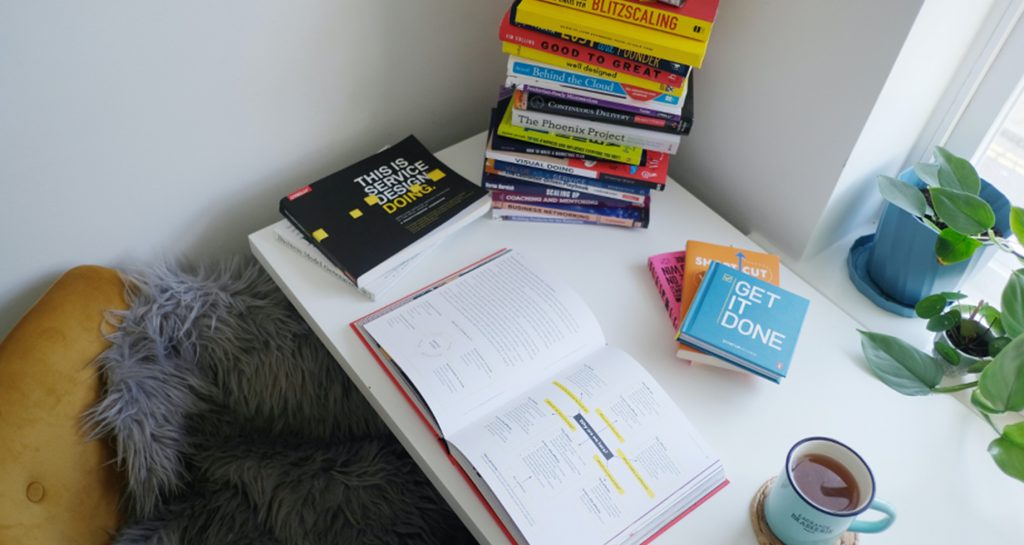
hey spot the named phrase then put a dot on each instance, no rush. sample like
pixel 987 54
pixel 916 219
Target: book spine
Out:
pixel 519 66
pixel 621 154
pixel 515 80
pixel 561 182
pixel 596 131
pixel 501 214
pixel 622 35
pixel 582 67
pixel 593 218
pixel 602 103
pixel 553 196
pixel 649 15
pixel 557 106
pixel 501 143
pixel 668 73
pixel 520 170
pixel 667 272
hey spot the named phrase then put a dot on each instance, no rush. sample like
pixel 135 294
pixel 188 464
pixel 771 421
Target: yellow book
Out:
pixel 589 69
pixel 622 154
pixel 580 24
pixel 693 19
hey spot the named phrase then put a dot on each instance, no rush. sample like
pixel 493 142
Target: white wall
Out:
pixel 134 129
pixel 783 96
pixel 932 58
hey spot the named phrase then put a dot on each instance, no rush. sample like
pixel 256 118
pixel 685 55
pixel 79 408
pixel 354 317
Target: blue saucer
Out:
pixel 857 265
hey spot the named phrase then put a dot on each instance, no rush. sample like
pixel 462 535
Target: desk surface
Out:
pixel 928 454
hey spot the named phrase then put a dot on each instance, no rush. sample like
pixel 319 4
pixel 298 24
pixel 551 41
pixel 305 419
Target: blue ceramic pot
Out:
pixel 902 260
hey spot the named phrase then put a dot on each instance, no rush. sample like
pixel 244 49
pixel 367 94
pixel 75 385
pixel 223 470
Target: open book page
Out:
pixel 596 453
pixel 473 342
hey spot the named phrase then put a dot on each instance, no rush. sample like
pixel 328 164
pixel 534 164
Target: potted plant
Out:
pixel 938 214
pixel 980 341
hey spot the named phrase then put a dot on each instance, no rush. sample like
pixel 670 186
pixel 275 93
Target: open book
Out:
pixel 569 440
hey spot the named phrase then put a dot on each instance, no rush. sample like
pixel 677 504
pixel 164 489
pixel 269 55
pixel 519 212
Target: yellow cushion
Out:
pixel 56 487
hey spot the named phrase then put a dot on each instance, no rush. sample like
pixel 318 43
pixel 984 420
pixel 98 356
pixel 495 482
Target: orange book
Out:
pixel 699 256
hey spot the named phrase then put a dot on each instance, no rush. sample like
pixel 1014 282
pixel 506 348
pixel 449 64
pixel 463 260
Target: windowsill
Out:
pixel 827 272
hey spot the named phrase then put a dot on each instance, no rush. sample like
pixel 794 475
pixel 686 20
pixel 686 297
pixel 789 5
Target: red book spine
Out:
pixel 564 48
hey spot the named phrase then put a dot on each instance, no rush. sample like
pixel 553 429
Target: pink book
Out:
pixel 667 272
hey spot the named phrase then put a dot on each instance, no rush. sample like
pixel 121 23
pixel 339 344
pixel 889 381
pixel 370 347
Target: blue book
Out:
pixel 746 321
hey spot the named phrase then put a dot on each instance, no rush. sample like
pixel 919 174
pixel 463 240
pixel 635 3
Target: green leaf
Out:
pixel 966 177
pixel 1008 451
pixel 1002 382
pixel 982 404
pixel 1017 223
pixel 952 247
pixel 944 322
pixel 948 353
pixel 928 172
pixel 1013 304
pixel 996 345
pixel 903 195
pixel 899 365
pixel 965 213
pixel 978 366
pixel 931 306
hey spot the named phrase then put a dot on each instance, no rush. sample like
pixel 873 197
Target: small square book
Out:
pixel 568 440
pixel 745 321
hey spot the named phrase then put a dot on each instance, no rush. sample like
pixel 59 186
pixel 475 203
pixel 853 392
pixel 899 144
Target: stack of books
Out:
pixel 597 96
pixel 727 309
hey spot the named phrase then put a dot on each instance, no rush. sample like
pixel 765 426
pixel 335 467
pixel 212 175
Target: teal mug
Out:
pixel 820 492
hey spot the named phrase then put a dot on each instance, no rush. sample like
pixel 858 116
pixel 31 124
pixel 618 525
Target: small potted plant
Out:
pixel 980 342
pixel 938 215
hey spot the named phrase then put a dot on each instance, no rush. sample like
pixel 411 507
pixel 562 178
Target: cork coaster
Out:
pixel 764 533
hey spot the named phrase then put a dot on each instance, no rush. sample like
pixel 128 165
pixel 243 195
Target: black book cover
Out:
pixel 362 215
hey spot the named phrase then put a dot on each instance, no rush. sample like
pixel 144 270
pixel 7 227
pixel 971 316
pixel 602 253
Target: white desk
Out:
pixel 928 455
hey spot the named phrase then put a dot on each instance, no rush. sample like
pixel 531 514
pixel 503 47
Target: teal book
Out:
pixel 746 321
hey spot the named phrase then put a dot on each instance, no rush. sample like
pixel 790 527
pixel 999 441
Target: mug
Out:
pixel 797 520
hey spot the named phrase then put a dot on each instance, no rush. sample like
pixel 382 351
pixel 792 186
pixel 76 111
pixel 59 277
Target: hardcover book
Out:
pixel 567 439
pixel 624 192
pixel 692 18
pixel 667 272
pixel 649 68
pixel 699 257
pixel 588 26
pixel 577 65
pixel 746 321
pixel 374 215
pixel 546 75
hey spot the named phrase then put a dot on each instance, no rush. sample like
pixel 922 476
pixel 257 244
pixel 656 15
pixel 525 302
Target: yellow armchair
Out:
pixel 55 486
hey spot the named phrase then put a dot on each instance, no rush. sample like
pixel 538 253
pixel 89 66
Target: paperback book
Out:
pixel 620 191
pixel 526 190
pixel 654 174
pixel 594 130
pixel 371 217
pixel 745 321
pixel 619 216
pixel 545 103
pixel 611 152
pixel 605 103
pixel 497 391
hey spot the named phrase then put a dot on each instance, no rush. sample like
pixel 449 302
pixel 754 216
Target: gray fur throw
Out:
pixel 233 424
